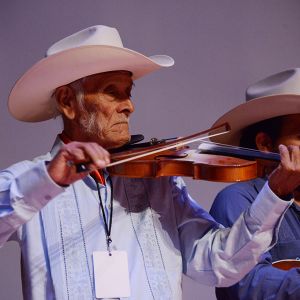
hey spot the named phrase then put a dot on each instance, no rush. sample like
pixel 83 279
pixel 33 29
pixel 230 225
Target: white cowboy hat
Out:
pixel 93 50
pixel 274 96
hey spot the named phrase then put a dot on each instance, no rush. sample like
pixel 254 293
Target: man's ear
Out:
pixel 66 101
pixel 263 142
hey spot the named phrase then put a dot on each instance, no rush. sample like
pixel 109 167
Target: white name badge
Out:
pixel 111 274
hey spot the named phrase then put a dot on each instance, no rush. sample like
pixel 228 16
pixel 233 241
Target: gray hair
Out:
pixel 77 86
pixel 88 119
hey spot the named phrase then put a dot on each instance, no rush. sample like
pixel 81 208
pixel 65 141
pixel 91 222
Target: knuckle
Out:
pixel 72 144
pixel 291 147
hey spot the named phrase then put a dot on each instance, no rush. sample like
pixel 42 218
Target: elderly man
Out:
pixel 277 97
pixel 87 236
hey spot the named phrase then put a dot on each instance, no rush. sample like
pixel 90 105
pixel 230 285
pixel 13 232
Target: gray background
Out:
pixel 220 47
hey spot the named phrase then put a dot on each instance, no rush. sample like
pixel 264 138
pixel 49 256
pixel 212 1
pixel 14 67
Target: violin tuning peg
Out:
pixel 153 141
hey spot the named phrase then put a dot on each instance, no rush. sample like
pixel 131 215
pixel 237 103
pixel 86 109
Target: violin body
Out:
pixel 171 157
pixel 189 163
pixel 162 158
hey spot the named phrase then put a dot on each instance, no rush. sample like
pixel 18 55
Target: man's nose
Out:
pixel 126 106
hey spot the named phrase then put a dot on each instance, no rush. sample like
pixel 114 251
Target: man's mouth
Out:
pixel 121 123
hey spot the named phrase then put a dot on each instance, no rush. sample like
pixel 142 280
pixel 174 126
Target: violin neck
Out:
pixel 212 148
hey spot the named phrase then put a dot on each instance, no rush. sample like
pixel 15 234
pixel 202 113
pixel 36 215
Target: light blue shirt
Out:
pixel 164 232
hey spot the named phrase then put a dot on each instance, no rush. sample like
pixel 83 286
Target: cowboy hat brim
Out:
pixel 253 112
pixel 31 100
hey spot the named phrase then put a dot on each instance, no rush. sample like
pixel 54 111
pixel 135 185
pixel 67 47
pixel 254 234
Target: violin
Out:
pixel 187 163
pixel 211 161
pixel 173 158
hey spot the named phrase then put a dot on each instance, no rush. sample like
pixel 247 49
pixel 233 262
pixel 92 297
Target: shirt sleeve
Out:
pixel 263 281
pixel 218 256
pixel 25 188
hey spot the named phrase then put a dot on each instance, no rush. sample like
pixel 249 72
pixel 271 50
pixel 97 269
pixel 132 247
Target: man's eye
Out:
pixel 110 90
pixel 117 93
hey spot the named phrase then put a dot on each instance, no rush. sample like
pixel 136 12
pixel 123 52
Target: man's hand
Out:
pixel 286 177
pixel 62 169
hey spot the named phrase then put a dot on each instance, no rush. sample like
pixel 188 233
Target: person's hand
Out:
pixel 62 168
pixel 285 179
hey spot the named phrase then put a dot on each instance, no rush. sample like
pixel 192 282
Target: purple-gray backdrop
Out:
pixel 220 47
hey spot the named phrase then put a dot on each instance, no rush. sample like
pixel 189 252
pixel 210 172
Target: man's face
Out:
pixel 290 135
pixel 290 131
pixel 103 117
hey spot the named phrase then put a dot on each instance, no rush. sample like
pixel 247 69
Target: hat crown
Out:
pixel 94 35
pixel 283 83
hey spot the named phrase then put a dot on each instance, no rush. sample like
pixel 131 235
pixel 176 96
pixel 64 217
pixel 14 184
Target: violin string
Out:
pixel 168 147
pixel 234 147
pixel 126 154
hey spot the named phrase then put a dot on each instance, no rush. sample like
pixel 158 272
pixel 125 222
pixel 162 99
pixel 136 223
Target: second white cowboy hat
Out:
pixel 93 50
pixel 274 96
